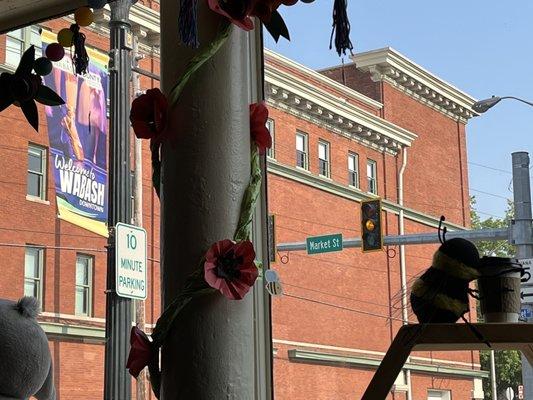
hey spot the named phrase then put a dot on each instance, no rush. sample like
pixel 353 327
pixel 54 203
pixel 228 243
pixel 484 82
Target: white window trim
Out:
pixel 356 170
pixel 26 41
pixel 443 394
pixel 89 286
pixel 327 160
pixel 305 151
pixel 44 174
pixel 271 126
pixel 40 279
pixel 369 162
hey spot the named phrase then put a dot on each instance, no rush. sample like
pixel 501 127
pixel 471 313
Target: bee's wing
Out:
pixel 396 302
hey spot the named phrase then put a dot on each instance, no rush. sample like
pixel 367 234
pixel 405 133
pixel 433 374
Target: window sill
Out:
pixel 303 169
pixel 325 177
pixel 354 187
pixel 37 200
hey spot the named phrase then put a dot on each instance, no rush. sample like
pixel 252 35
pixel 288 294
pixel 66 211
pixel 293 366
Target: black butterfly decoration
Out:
pixel 24 87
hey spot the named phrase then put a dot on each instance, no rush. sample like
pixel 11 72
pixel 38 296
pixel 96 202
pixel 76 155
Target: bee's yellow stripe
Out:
pixel 453 267
pixel 438 300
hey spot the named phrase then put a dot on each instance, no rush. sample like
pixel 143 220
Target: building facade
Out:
pixel 341 136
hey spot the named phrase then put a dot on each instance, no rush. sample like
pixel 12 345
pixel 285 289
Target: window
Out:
pixel 270 127
pixel 37 171
pixel 33 272
pixel 439 395
pixel 323 158
pixel 84 283
pixel 371 173
pixel 19 41
pixel 353 169
pixel 301 150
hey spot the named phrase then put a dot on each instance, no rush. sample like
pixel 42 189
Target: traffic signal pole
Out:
pixel 522 238
pixel 117 381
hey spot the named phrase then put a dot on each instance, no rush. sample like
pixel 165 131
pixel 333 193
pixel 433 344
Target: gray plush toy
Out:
pixel 25 361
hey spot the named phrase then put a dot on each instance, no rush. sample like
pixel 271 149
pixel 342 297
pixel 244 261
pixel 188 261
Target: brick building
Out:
pixel 341 136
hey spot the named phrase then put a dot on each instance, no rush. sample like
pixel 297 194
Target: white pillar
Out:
pixel 210 353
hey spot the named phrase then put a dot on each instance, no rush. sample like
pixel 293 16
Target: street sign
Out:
pixel 509 393
pixel 526 313
pixel 130 261
pixel 324 244
pixel 528 264
pixel 520 392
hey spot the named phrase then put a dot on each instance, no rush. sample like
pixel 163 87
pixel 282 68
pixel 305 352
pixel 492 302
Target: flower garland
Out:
pixel 228 266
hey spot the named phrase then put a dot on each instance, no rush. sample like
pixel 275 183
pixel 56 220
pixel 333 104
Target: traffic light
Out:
pixel 371 225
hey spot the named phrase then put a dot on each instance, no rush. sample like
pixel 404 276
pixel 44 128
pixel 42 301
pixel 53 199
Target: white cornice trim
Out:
pixel 393 67
pixel 350 93
pixel 301 97
pixel 353 194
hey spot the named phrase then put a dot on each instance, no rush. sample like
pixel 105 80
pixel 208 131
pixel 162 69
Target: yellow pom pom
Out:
pixel 65 37
pixel 84 16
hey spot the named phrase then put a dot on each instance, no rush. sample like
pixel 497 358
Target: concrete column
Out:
pixel 210 353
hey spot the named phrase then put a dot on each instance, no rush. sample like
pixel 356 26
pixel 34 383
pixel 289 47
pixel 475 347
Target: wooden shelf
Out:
pixel 445 337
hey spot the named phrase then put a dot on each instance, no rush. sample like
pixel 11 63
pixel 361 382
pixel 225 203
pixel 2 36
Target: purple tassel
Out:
pixel 341 28
pixel 80 57
pixel 188 23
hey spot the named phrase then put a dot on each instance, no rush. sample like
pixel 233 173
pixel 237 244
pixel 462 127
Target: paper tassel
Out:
pixel 80 57
pixel 188 23
pixel 341 28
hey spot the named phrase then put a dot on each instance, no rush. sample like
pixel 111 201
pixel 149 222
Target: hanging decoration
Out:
pixel 228 266
pixel 341 28
pixel 188 23
pixel 25 87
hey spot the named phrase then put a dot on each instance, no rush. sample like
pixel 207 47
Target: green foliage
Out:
pixel 508 363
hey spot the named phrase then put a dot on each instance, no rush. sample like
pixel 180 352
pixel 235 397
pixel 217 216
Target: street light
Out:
pixel 483 105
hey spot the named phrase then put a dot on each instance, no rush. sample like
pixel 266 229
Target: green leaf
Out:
pixel 277 27
pixel 48 97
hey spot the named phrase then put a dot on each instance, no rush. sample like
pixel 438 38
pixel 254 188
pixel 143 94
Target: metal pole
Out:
pixel 494 385
pixel 419 238
pixel 204 176
pixel 522 237
pixel 138 207
pixel 117 381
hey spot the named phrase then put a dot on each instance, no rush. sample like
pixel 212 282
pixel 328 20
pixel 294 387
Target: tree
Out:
pixel 508 363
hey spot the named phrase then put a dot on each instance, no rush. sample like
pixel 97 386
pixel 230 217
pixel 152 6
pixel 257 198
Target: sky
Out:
pixel 481 47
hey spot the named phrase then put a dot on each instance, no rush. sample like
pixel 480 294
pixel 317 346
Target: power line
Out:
pixel 489 167
pixel 489 194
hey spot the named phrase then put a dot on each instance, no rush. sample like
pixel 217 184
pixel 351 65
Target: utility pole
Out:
pixel 117 382
pixel 522 238
pixel 138 205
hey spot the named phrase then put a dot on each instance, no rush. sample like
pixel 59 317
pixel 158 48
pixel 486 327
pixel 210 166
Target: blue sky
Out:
pixel 482 47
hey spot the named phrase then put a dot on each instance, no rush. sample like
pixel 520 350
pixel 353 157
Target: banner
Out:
pixel 78 140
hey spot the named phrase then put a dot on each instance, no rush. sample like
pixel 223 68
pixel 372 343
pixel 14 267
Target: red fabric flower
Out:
pixel 148 115
pixel 140 352
pixel 229 267
pixel 240 11
pixel 258 130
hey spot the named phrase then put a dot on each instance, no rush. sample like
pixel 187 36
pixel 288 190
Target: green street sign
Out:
pixel 324 244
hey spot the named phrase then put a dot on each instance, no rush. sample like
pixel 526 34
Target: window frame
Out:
pixel 43 175
pixel 40 269
pixel 327 161
pixel 25 41
pixel 355 172
pixel 372 180
pixel 443 393
pixel 89 286
pixel 271 126
pixel 304 152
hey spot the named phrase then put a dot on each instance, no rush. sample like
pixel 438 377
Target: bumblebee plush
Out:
pixel 441 293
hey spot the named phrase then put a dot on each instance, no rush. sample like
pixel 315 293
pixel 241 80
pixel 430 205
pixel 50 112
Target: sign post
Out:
pixel 324 244
pixel 130 261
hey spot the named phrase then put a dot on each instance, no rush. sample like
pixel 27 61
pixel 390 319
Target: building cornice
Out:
pixel 315 357
pixel 391 66
pixel 305 100
pixel 353 194
pixel 314 75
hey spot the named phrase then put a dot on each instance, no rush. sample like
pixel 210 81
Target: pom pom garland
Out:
pixel 65 37
pixel 84 16
pixel 42 66
pixel 55 52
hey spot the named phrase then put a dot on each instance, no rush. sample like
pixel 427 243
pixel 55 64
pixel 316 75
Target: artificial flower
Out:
pixel 229 267
pixel 24 87
pixel 258 130
pixel 140 352
pixel 148 115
